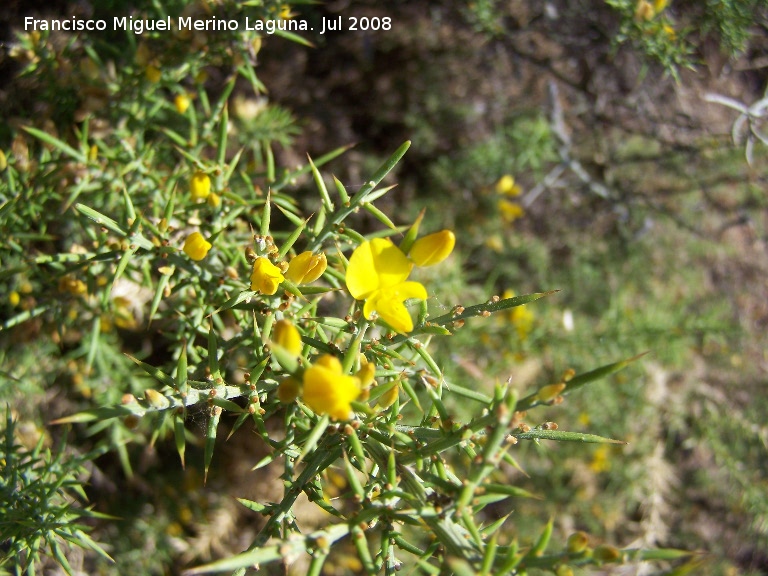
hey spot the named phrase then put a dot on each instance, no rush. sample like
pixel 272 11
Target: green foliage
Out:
pixel 731 21
pixel 40 503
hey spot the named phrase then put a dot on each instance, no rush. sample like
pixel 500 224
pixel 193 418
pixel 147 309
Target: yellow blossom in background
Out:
pixel 288 390
pixel 600 461
pixel 644 11
pixel 181 102
pixel 510 211
pixel 366 374
pixel 660 5
pixel 14 299
pixel 377 273
pixel 433 248
pixel 327 390
pixel 506 186
pixel 285 12
pixel 284 334
pixel 306 268
pixel 152 73
pixel 522 318
pixel 72 286
pixel 200 186
pixel 214 200
pixel 669 31
pixel 196 246
pixel 266 277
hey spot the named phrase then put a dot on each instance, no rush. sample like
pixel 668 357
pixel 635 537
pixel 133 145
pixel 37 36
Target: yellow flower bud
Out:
pixel 659 5
pixel 432 249
pixel 510 211
pixel 388 398
pixel 327 390
pixel 366 374
pixel 266 277
pixel 156 399
pixel 288 390
pixel 550 392
pixel 14 299
pixel 181 101
pixel 200 186
pixel 196 246
pixel 73 286
pixel 306 268
pixel 214 200
pixel 284 334
pixel 606 553
pixel 3 161
pixel 577 542
pixel 644 11
pixel 506 185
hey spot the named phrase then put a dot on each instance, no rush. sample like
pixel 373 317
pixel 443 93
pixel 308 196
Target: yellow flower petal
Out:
pixel 506 185
pixel 181 102
pixel 306 268
pixel 266 277
pixel 433 248
pixel 327 390
pixel 196 246
pixel 284 334
pixel 374 265
pixel 510 211
pixel 200 186
pixel 389 304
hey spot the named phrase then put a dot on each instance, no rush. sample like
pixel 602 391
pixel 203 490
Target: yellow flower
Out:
pixel 72 285
pixel 14 299
pixel 433 248
pixel 196 246
pixel 600 459
pixel 182 102
pixel 327 390
pixel 506 185
pixel 522 318
pixel 214 200
pixel 644 11
pixel 377 273
pixel 306 268
pixel 200 186
pixel 285 334
pixel 510 211
pixel 266 277
pixel 660 5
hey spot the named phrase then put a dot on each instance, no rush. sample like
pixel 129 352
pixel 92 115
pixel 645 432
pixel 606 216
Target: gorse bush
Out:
pixel 186 276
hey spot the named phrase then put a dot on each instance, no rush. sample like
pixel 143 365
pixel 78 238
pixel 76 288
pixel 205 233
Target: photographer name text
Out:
pixel 213 24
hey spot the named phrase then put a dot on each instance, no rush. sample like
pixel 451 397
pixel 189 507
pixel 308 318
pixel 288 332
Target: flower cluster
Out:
pixel 323 386
pixel 506 188
pixel 303 269
pixel 378 274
